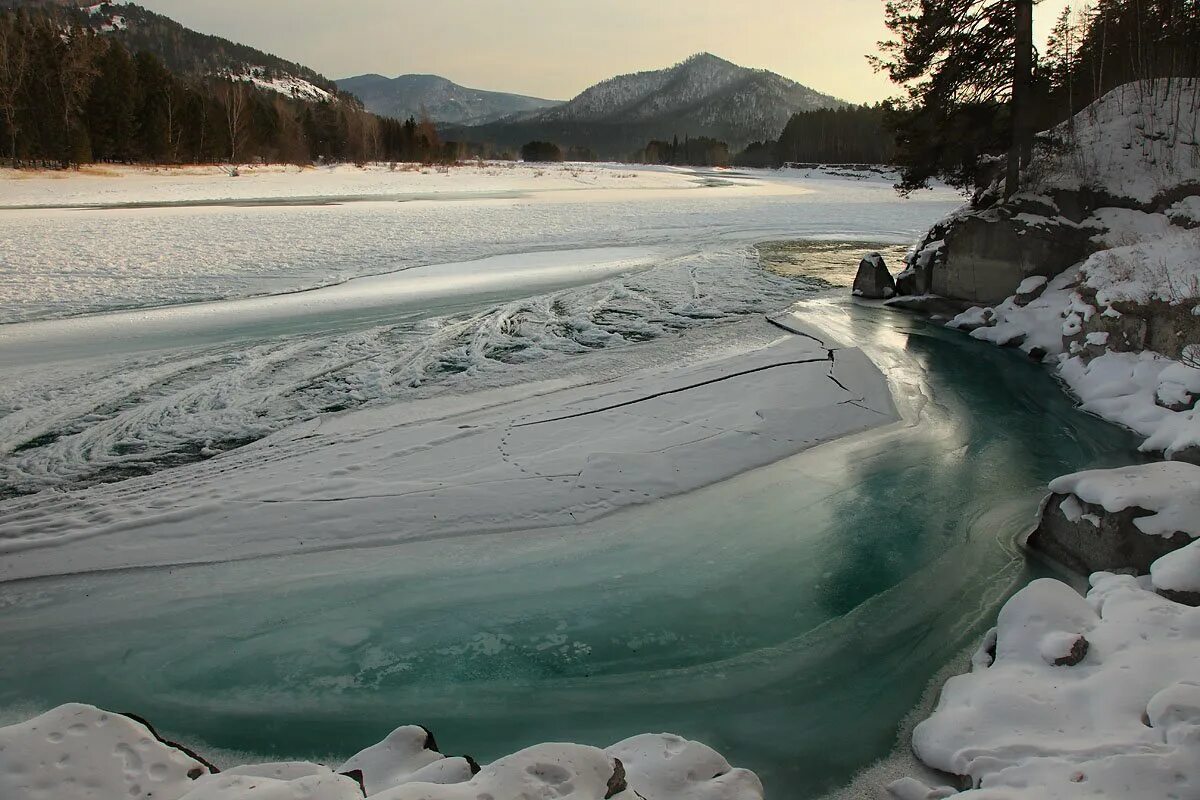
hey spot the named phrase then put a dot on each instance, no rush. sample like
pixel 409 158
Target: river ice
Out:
pixel 608 347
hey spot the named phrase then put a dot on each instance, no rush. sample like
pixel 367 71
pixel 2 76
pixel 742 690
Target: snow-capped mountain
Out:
pixel 444 100
pixel 702 96
pixel 700 88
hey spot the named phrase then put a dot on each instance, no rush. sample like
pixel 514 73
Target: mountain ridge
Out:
pixel 703 95
pixel 444 100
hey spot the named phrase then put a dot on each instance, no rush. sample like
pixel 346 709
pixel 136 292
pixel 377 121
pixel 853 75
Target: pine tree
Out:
pixel 966 66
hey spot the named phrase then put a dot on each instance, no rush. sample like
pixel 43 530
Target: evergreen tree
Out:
pixel 966 66
pixel 112 109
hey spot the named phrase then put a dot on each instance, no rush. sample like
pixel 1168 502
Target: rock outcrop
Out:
pixel 1085 538
pixel 1143 520
pixel 873 281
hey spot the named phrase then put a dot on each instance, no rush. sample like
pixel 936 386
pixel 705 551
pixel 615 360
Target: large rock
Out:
pixel 988 255
pixel 873 281
pixel 1086 538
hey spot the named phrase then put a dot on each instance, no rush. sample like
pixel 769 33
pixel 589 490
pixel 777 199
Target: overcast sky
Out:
pixel 557 48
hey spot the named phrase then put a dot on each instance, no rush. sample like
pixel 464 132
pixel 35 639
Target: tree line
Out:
pixel 699 151
pixel 70 95
pixel 849 135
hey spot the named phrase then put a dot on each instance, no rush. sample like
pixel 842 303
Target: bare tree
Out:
pixel 14 70
pixel 234 98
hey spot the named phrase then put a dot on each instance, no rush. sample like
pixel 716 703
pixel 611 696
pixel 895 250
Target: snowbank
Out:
pixel 1043 716
pixel 1134 142
pixel 79 752
pixel 1099 323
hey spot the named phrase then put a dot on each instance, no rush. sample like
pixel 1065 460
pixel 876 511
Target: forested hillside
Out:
pixel 72 92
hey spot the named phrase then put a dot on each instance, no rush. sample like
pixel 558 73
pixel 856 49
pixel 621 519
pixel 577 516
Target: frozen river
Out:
pixel 790 612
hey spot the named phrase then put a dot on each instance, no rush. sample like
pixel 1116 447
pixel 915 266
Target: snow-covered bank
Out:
pixel 1100 262
pixel 1073 699
pixel 527 460
pixel 116 185
pixel 79 752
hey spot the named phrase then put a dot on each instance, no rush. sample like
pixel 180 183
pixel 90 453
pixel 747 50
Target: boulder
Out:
pixel 873 281
pixel 990 254
pixel 1085 538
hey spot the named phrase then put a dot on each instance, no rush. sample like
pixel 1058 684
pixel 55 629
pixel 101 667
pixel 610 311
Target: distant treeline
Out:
pixel 850 135
pixel 69 95
pixel 701 151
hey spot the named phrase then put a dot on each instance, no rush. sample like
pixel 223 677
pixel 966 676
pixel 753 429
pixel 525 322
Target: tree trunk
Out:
pixel 1021 151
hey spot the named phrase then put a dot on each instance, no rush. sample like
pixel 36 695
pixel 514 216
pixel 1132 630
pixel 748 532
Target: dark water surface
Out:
pixel 789 617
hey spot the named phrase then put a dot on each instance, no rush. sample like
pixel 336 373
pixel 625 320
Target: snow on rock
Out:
pixel 1178 571
pixel 408 754
pixel 228 786
pixel 1186 213
pixel 78 752
pixel 666 767
pixel 1122 722
pixel 1170 490
pixel 567 771
pixel 1032 284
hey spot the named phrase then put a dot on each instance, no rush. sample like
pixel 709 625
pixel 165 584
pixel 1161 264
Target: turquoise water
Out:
pixel 790 617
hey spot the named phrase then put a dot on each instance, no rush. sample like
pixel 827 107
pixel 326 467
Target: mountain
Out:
pixel 702 96
pixel 188 52
pixel 445 101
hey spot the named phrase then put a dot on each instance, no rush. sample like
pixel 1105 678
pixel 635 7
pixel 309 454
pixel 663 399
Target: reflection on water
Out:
pixel 833 264
pixel 790 617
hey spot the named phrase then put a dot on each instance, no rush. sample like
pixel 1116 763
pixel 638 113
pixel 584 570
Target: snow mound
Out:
pixel 1171 490
pixel 228 786
pixel 407 755
pixel 662 767
pixel 78 752
pixel 1136 141
pixel 1122 722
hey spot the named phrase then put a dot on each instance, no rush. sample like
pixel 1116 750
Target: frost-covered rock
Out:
pixel 873 280
pixel 78 752
pixel 1122 722
pixel 1121 519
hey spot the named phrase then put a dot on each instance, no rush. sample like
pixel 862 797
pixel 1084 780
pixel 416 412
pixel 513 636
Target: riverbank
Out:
pixel 1095 275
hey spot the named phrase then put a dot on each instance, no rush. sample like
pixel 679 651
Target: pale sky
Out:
pixel 557 48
